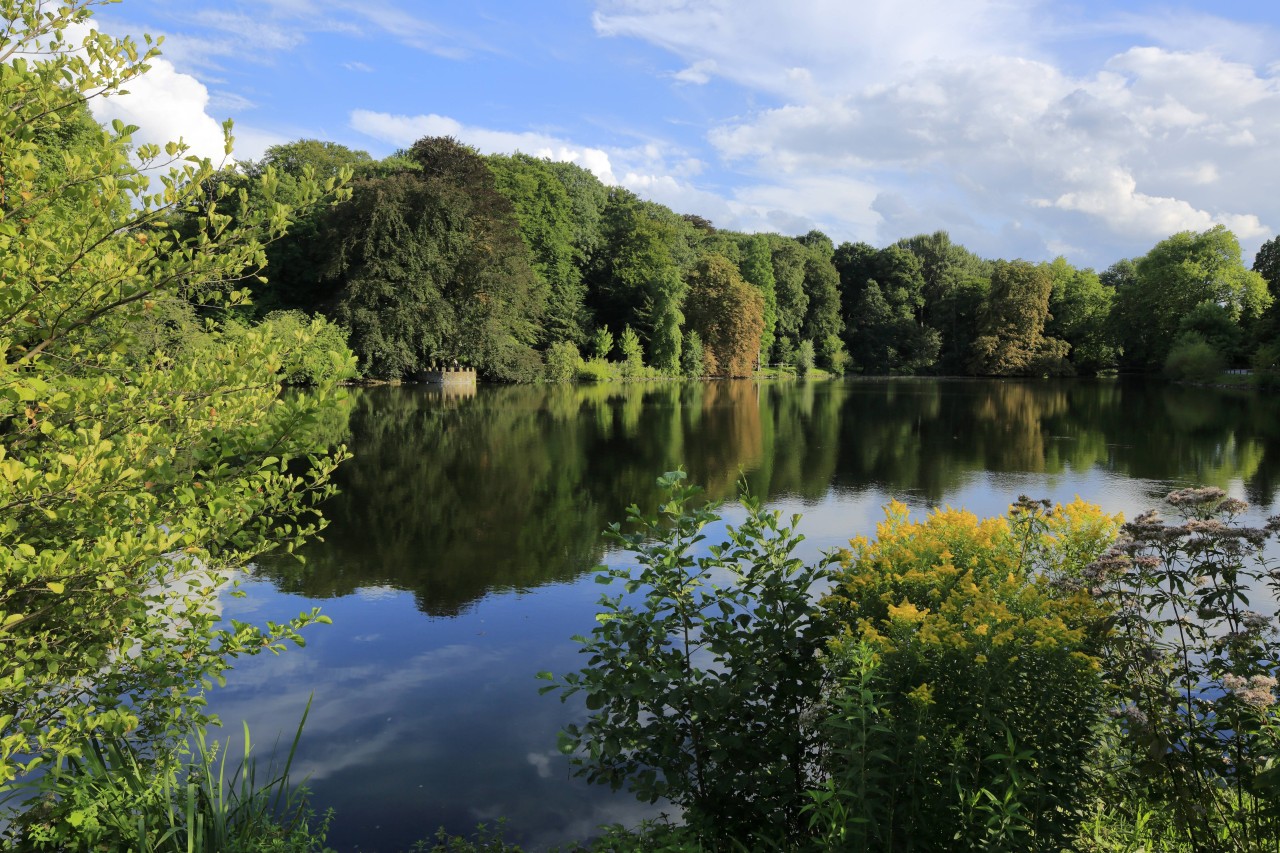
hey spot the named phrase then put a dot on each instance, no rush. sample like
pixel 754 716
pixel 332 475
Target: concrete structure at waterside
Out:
pixel 448 376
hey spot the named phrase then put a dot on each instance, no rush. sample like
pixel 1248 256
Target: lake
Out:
pixel 459 560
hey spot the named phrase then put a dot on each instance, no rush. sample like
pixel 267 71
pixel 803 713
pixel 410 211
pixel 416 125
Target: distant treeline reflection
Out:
pixel 453 496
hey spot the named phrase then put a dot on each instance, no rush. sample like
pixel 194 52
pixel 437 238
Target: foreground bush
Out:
pixel 704 674
pixel 134 482
pixel 1191 671
pixel 969 690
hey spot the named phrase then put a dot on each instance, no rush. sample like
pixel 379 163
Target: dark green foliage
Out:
pixel 1011 340
pixel 1193 359
pixel 756 267
pixel 432 268
pixel 587 200
pixel 793 302
pixel 1080 308
pixel 822 323
pixel 638 280
pixel 704 672
pixel 1266 366
pixel 956 282
pixel 1213 323
pixel 883 293
pixel 296 262
pixel 1267 264
pixel 546 216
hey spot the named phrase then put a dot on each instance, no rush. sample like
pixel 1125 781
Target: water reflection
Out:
pixel 484 511
pixel 455 495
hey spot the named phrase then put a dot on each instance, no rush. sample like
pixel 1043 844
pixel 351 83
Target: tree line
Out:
pixel 505 262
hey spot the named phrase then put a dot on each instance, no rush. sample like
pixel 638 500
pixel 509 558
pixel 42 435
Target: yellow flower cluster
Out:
pixel 953 591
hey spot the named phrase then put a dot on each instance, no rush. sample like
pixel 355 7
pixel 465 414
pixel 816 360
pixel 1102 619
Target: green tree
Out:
pixel 639 280
pixel 704 680
pixel 883 295
pixel 602 342
pixel 728 314
pixel 1012 340
pixel 1178 274
pixel 756 267
pixel 1080 314
pixel 133 482
pixel 431 267
pixel 1267 264
pixel 296 260
pixel 630 350
pixel 822 323
pixel 956 282
pixel 546 216
pixel 793 302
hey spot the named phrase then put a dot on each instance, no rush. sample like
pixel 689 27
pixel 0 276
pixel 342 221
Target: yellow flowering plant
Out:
pixel 969 674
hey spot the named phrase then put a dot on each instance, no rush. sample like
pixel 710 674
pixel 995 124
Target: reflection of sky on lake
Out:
pixel 458 566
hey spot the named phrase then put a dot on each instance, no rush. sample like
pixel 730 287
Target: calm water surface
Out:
pixel 459 559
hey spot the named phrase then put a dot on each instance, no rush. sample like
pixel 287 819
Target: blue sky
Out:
pixel 1026 129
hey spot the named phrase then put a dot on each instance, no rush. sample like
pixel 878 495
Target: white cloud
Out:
pixel 355 65
pixel 927 114
pixel 699 73
pixel 403 131
pixel 166 105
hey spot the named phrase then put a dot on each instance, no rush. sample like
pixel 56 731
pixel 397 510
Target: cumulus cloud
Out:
pixel 923 114
pixel 165 105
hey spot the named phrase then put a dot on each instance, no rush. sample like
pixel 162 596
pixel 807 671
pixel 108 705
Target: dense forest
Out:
pixel 511 264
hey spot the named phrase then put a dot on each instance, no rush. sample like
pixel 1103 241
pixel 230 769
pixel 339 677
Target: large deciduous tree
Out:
pixel 793 302
pixel 546 216
pixel 1178 274
pixel 432 267
pixel 728 314
pixel 1011 339
pixel 757 268
pixel 883 294
pixel 296 261
pixel 132 481
pixel 1080 311
pixel 639 281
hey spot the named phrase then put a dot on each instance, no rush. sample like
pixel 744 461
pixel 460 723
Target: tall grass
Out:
pixel 205 799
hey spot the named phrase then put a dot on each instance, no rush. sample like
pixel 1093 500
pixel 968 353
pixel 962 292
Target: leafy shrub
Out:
pixel 562 362
pixel 1266 366
pixel 516 363
pixel 317 349
pixel 632 353
pixel 834 356
pixel 1192 671
pixel 803 358
pixel 969 690
pixel 704 673
pixel 599 370
pixel 1192 359
pixel 692 355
